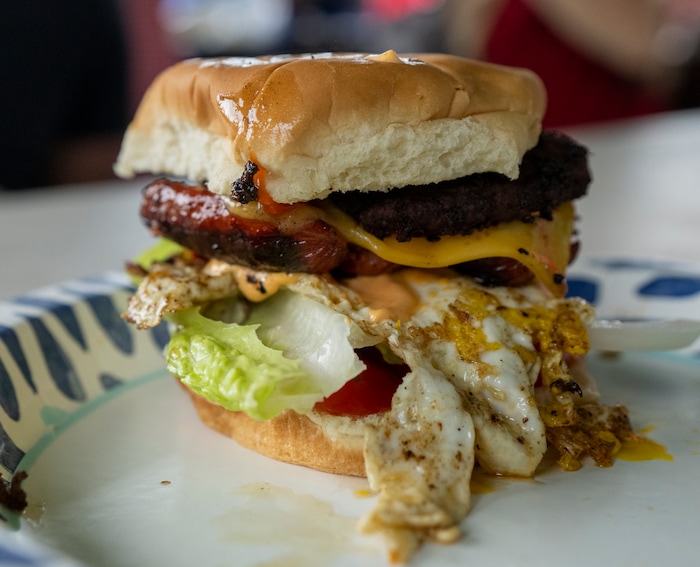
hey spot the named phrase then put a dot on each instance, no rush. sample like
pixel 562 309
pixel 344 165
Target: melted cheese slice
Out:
pixel 543 246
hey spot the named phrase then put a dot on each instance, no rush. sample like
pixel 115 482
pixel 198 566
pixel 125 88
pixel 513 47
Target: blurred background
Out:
pixel 72 72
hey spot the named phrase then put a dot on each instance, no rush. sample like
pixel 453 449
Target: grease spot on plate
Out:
pixel 271 518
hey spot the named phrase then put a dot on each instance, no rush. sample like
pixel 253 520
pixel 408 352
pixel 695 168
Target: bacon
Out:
pixel 362 262
pixel 200 220
pixel 496 272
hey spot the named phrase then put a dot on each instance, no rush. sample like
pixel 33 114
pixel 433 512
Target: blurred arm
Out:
pixel 621 34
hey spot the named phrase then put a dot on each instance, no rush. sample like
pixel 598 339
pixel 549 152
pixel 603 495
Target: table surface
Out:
pixel 644 202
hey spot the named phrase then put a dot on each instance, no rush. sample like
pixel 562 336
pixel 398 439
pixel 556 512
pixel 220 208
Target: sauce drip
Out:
pixel 269 205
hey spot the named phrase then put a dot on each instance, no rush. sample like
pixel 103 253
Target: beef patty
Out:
pixel 553 172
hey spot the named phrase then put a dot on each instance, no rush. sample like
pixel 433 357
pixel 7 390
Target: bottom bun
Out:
pixel 289 437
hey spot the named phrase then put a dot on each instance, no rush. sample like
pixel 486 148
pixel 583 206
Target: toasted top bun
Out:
pixel 334 122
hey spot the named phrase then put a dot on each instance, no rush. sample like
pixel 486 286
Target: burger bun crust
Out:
pixel 288 437
pixel 334 122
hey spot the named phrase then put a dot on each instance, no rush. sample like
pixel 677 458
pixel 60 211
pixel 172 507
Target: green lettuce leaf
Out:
pixel 290 353
pixel 161 251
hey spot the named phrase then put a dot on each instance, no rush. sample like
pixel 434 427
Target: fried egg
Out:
pixel 475 355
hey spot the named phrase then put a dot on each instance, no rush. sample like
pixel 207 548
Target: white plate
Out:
pixel 121 472
pixel 638 289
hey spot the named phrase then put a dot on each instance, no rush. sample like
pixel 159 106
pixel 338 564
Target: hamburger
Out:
pixel 362 260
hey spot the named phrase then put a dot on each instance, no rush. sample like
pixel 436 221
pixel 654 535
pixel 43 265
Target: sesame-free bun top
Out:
pixel 334 122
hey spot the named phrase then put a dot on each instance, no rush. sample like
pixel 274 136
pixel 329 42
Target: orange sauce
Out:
pixel 386 296
pixel 259 286
pixel 269 205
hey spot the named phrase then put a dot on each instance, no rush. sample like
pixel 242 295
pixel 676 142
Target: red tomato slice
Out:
pixel 368 393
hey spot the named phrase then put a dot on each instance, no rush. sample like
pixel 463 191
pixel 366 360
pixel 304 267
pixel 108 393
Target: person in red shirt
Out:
pixel 599 60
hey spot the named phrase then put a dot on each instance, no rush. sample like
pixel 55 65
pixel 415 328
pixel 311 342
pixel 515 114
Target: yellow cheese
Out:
pixel 542 245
